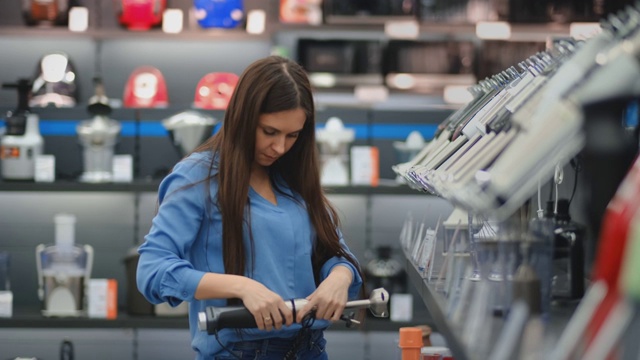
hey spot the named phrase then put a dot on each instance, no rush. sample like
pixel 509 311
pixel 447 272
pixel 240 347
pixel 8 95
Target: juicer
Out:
pixel 21 142
pixel 98 138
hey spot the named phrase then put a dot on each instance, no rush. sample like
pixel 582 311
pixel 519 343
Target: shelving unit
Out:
pixel 435 303
pixel 32 318
pixel 111 50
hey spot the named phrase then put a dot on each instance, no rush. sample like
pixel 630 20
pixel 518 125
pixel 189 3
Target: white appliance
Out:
pixel 64 270
pixel 21 142
pixel 334 142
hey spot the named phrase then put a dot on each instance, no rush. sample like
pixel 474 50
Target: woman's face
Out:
pixel 276 133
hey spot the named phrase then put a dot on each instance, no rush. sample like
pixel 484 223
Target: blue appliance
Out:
pixel 219 13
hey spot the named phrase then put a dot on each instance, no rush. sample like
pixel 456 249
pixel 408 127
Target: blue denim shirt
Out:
pixel 185 242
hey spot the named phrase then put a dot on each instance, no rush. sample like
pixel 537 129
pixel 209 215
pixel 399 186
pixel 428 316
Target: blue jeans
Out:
pixel 276 348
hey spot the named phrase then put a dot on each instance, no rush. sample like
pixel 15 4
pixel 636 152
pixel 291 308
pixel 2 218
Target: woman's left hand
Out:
pixel 331 296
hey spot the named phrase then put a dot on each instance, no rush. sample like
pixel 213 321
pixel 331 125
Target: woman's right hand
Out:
pixel 267 307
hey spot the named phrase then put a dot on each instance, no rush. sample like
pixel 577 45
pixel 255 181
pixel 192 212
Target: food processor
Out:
pixel 63 270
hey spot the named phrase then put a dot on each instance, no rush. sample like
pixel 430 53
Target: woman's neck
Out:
pixel 260 182
pixel 259 176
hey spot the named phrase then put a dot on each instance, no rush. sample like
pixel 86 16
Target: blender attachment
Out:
pixel 188 129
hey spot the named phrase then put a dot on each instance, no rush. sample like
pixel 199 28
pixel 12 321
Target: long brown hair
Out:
pixel 270 85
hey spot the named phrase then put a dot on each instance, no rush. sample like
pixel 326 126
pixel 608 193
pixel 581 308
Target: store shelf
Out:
pixel 72 186
pixel 32 318
pixel 519 32
pixel 427 31
pixel 123 34
pixel 152 186
pixel 435 303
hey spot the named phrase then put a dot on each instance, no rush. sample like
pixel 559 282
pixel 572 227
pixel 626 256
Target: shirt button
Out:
pixel 184 293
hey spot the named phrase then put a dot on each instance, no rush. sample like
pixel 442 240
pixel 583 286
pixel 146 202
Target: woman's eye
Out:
pixel 269 132
pixel 294 135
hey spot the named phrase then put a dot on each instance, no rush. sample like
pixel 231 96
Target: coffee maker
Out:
pixel 22 142
pixel 98 137
pixel 63 271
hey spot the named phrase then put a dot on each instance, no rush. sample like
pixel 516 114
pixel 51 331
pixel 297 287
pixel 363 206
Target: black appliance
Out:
pixel 136 302
pixel 562 11
pixel 431 64
pixel 368 11
pixel 353 62
pixel 456 11
pixel 497 55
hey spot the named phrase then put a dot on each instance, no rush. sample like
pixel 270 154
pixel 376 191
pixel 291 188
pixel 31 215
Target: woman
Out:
pixel 244 218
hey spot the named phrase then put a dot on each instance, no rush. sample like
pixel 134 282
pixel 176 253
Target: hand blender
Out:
pixel 216 318
pixel 22 142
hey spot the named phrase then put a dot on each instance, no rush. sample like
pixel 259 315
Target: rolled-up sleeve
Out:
pixel 164 272
pixel 356 283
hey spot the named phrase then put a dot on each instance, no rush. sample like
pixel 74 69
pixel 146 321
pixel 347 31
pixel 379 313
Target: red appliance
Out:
pixel 214 90
pixel 140 15
pixel 301 11
pixel 146 88
pixel 47 12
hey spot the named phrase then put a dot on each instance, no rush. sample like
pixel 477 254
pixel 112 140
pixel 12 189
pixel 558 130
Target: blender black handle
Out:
pixel 66 350
pixel 227 317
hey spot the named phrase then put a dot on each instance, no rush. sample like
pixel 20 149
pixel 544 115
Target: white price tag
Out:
pixel 6 304
pixel 364 165
pixel 172 21
pixel 371 93
pixel 122 168
pixel 78 19
pixel 45 170
pixel 401 307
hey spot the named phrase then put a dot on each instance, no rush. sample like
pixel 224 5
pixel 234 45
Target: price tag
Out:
pixel 78 19
pixel 6 304
pixel 122 168
pixel 45 168
pixel 401 307
pixel 364 165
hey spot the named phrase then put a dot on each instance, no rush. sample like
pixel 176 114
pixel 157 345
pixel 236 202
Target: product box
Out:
pixel 103 298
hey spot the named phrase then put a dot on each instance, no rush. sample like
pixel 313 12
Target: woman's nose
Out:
pixel 279 145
